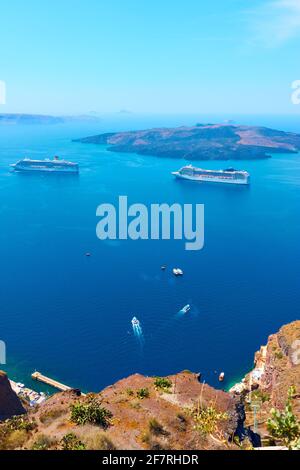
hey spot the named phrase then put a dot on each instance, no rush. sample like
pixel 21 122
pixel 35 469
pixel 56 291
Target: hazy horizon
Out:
pixel 170 58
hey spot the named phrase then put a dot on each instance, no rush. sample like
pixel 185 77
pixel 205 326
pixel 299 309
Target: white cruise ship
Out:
pixel 56 165
pixel 230 175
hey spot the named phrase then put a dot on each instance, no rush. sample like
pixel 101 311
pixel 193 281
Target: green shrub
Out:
pixel 284 425
pixel 71 442
pixel 20 423
pixel 90 412
pixel 143 393
pixel 163 384
pixel 207 419
pixel 15 432
pixel 258 395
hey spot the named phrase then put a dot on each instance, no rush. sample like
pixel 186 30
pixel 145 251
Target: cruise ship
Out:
pixel 230 175
pixel 56 165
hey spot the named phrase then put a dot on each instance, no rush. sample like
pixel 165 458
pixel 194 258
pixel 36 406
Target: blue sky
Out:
pixel 167 56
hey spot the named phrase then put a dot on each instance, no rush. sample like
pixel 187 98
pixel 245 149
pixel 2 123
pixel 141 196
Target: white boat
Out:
pixel 186 309
pixel 20 385
pixel 222 376
pixel 177 272
pixel 135 322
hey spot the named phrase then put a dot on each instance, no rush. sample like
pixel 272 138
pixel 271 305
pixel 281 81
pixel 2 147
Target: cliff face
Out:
pixel 143 416
pixel 280 362
pixel 173 411
pixel 176 412
pixel 277 368
pixel 10 404
pixel 201 142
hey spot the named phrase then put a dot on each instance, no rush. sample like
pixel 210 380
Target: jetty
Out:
pixel 48 381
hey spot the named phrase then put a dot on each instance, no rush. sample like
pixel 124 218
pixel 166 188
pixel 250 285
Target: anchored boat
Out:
pixel 51 166
pixel 229 175
pixel 177 272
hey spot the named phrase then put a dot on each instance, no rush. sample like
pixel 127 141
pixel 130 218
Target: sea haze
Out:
pixel 69 316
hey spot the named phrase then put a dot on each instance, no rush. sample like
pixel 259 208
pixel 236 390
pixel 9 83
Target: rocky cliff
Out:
pixel 177 412
pixel 10 404
pixel 276 369
pixel 280 363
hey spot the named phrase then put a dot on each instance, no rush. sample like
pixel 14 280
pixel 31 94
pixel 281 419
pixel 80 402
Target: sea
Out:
pixel 69 315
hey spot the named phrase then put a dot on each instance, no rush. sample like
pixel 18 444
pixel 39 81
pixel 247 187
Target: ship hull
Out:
pixel 205 179
pixel 31 169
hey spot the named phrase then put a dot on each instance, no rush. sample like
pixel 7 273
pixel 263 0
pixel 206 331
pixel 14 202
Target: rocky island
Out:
pixel 41 119
pixel 201 142
pixel 175 412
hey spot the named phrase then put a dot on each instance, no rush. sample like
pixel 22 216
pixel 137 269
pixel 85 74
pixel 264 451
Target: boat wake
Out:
pixel 137 331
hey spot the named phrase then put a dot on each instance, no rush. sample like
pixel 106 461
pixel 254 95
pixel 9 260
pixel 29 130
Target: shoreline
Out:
pixel 30 396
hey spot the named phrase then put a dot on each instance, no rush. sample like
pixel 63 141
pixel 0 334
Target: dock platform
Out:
pixel 48 381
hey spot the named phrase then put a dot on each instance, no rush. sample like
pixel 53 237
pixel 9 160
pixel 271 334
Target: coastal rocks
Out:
pixel 146 413
pixel 276 369
pixel 276 365
pixel 282 364
pixel 172 408
pixel 175 412
pixel 10 404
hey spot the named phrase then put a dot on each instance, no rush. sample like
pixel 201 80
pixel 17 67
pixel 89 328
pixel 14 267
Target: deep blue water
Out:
pixel 68 316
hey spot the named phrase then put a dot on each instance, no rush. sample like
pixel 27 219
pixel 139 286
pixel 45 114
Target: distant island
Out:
pixel 201 142
pixel 33 119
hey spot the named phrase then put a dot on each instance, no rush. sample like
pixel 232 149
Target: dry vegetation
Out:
pixel 136 413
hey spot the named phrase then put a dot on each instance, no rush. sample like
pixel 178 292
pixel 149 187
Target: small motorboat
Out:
pixel 186 309
pixel 177 272
pixel 163 268
pixel 222 377
pixel 135 322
